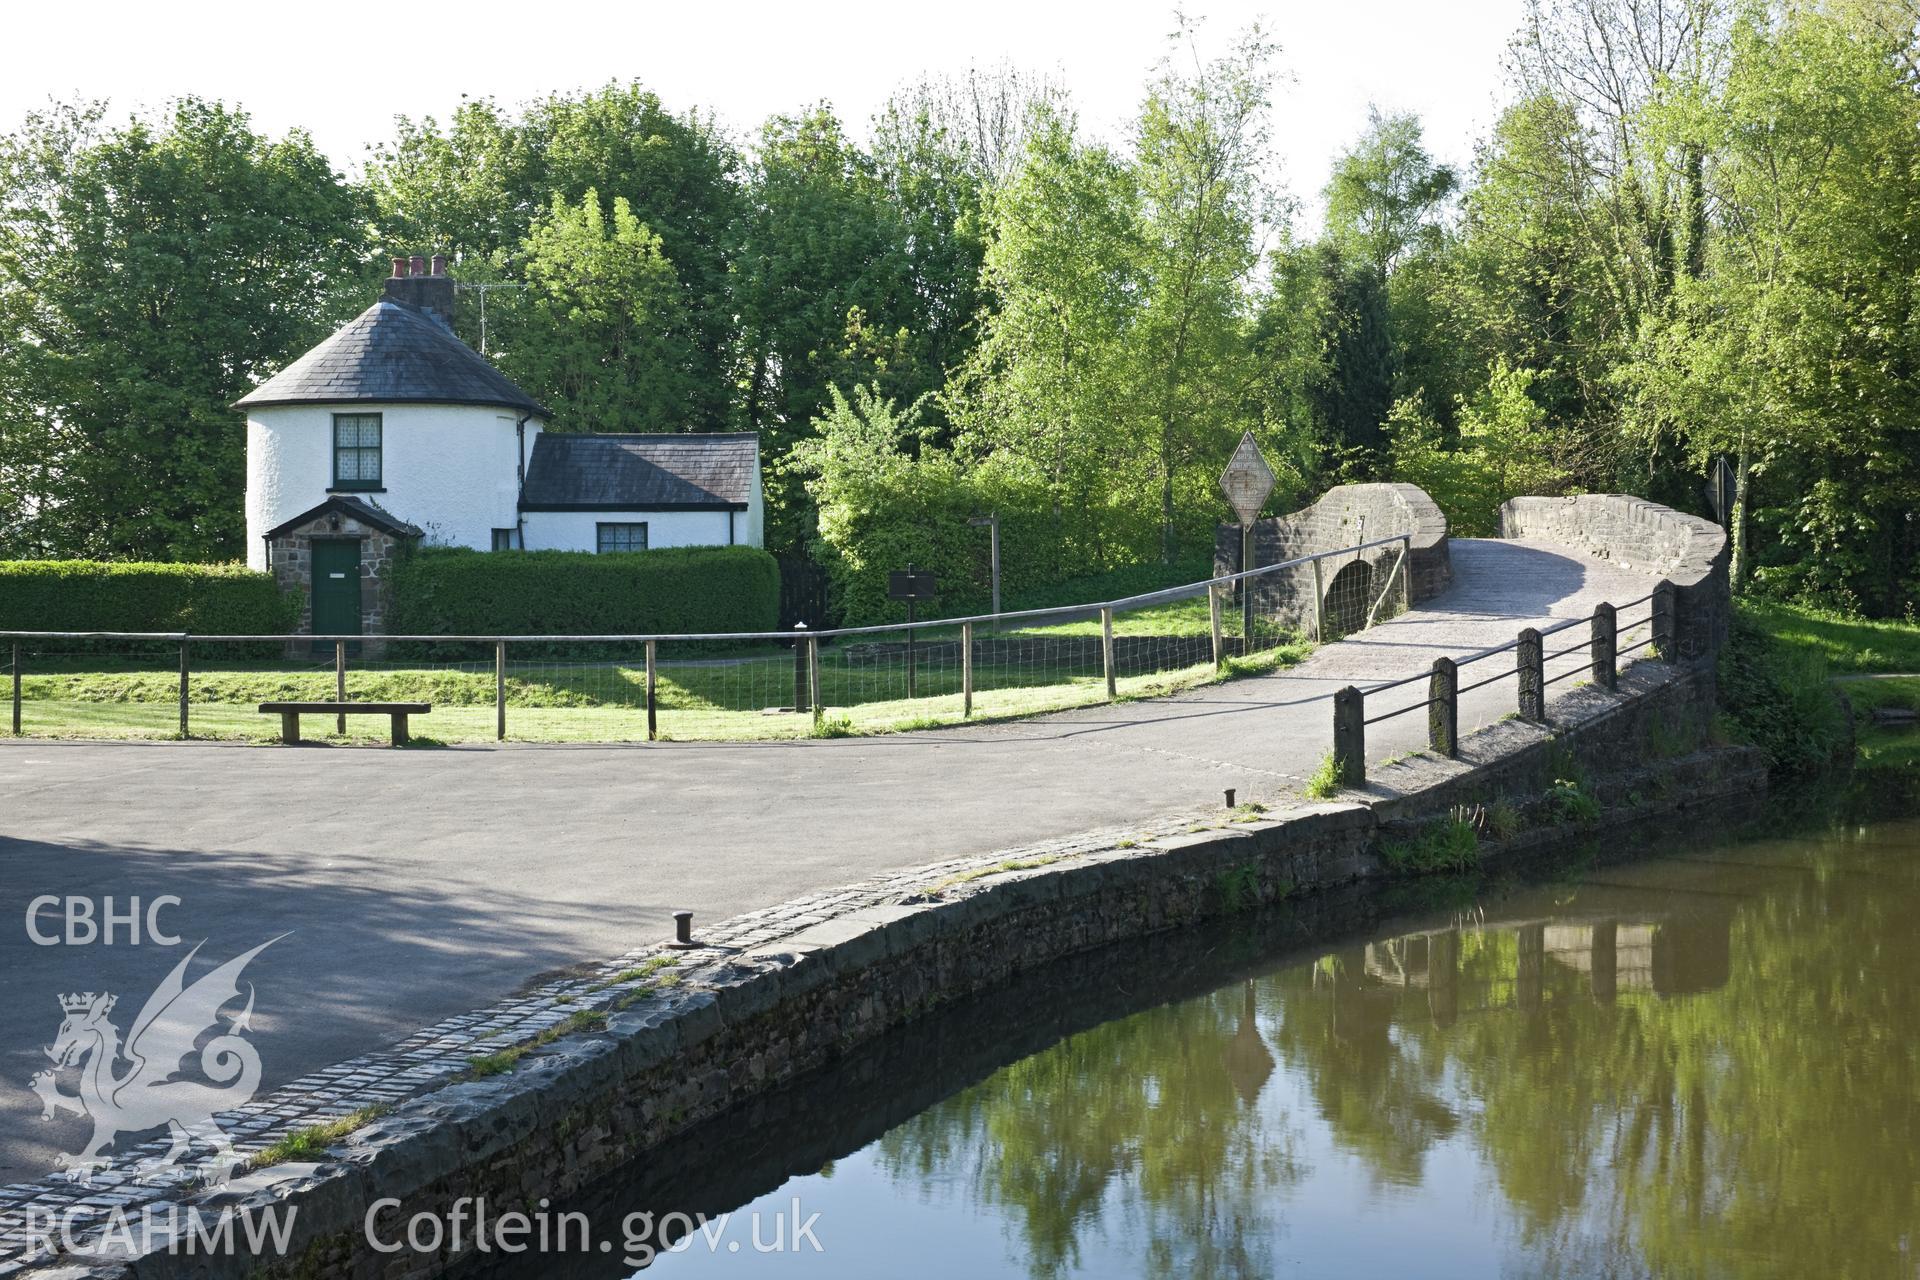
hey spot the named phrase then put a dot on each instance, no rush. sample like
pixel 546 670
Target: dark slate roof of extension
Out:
pixel 358 508
pixel 687 472
pixel 395 354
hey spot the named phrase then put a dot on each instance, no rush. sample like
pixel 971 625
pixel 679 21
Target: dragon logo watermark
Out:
pixel 144 1094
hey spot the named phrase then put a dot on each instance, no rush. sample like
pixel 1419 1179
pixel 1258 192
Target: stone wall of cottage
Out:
pixel 291 557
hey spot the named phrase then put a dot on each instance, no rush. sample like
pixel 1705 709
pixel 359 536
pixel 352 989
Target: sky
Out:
pixel 344 69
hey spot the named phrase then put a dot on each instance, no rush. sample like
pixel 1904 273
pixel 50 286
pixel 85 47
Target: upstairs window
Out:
pixel 620 537
pixel 356 451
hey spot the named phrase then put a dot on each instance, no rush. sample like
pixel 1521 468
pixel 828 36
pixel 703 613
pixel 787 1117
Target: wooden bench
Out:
pixel 290 713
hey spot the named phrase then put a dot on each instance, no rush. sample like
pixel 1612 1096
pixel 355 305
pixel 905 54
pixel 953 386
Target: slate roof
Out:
pixel 709 472
pixel 346 504
pixel 393 353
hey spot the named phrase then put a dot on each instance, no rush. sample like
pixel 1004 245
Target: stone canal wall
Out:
pixel 667 1040
pixel 1689 552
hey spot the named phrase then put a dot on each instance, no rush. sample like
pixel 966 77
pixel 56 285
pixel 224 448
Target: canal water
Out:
pixel 1701 1065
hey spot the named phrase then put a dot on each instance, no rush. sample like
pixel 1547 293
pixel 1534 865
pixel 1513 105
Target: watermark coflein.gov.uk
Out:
pixel 467 1226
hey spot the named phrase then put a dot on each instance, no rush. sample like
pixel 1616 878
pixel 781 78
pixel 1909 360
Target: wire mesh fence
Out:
pixel 731 687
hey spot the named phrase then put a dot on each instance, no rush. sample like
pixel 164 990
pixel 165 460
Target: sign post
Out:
pixel 992 523
pixel 913 586
pixel 1721 491
pixel 1247 482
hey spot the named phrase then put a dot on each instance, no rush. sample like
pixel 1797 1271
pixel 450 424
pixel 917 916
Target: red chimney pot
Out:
pixel 399 267
pixel 439 264
pixel 419 264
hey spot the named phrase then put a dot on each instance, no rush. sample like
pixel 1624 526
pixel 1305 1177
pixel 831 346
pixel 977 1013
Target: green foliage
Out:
pixel 1500 449
pixel 89 595
pixel 1568 801
pixel 1324 781
pixel 150 272
pixel 1239 888
pixel 1444 846
pixel 1780 699
pixel 439 590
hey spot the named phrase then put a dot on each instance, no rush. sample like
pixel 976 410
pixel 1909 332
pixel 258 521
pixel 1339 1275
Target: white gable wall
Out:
pixel 575 531
pixel 450 469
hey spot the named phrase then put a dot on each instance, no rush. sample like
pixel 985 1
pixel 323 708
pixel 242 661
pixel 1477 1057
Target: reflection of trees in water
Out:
pixel 1725 1088
pixel 1144 1130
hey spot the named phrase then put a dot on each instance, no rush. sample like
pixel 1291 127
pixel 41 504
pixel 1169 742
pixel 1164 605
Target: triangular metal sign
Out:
pixel 1247 481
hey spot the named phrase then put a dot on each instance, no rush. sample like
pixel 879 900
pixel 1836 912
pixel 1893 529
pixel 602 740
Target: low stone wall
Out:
pixel 777 993
pixel 1687 551
pixel 1345 516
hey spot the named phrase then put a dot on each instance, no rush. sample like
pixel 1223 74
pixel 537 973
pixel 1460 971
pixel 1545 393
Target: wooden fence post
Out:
pixel 1406 573
pixel 183 686
pixel 1350 737
pixel 1319 621
pixel 340 683
pixel 653 718
pixel 1605 645
pixel 1533 689
pixel 1443 708
pixel 1666 603
pixel 1213 622
pixel 813 678
pixel 801 699
pixel 16 688
pixel 966 670
pixel 500 690
pixel 1106 652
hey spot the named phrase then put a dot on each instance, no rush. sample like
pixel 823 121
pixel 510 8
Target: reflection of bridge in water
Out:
pixel 1525 959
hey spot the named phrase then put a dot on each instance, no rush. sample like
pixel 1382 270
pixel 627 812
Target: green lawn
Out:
pixel 1848 645
pixel 864 690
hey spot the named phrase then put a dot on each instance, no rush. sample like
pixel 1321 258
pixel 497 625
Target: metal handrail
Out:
pixel 1161 596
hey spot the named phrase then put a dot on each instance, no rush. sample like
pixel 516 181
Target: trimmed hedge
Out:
pixel 454 591
pixel 94 595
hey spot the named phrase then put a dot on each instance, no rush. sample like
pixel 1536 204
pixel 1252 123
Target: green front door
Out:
pixel 336 588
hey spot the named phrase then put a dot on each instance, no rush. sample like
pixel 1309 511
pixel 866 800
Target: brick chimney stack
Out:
pixel 415 283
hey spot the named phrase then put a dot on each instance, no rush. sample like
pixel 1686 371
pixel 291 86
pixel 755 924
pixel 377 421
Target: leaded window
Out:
pixel 620 537
pixel 356 451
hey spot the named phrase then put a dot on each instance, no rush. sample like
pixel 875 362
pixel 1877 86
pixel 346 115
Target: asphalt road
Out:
pixel 414 885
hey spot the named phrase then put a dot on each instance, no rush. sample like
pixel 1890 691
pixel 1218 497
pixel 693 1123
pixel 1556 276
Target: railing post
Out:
pixel 966 669
pixel 340 683
pixel 1665 622
pixel 1213 622
pixel 1319 621
pixel 500 690
pixel 800 701
pixel 16 688
pixel 1531 670
pixel 1406 573
pixel 1350 737
pixel 653 716
pixel 1443 708
pixel 813 678
pixel 1605 645
pixel 183 686
pixel 1106 652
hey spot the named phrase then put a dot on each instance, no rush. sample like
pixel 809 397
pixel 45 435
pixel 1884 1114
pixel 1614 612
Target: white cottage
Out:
pixel 394 429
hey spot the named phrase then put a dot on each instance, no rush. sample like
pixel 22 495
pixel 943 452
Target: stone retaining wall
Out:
pixel 779 992
pixel 1345 516
pixel 1689 552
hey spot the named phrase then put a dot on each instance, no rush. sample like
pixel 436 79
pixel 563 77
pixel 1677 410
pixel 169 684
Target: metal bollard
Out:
pixel 683 931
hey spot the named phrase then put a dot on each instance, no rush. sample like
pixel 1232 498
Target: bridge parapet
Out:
pixel 1689 552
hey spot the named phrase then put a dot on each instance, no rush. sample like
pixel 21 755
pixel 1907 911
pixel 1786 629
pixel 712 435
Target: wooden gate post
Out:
pixel 340 683
pixel 183 686
pixel 813 679
pixel 1319 620
pixel 1106 652
pixel 16 688
pixel 653 719
pixel 1443 708
pixel 1666 603
pixel 966 670
pixel 500 690
pixel 1533 689
pixel 1605 646
pixel 1213 622
pixel 1350 737
pixel 800 697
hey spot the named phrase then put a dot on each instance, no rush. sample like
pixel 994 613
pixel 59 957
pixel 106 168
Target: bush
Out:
pixel 1781 699
pixel 92 595
pixel 674 590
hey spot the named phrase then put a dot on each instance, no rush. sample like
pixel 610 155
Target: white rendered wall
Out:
pixel 450 469
pixel 574 530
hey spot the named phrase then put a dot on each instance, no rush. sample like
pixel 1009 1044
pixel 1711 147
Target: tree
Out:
pixel 150 274
pixel 602 335
pixel 1385 194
